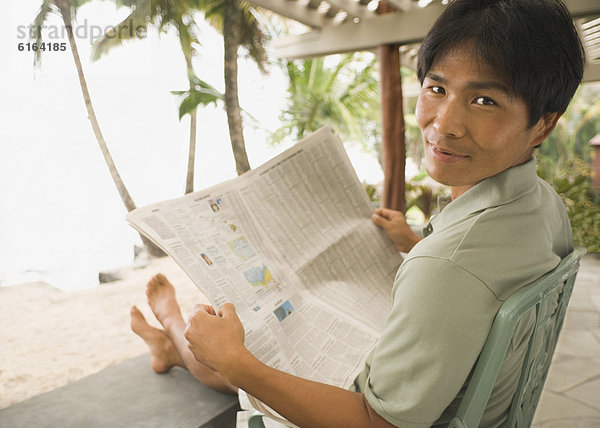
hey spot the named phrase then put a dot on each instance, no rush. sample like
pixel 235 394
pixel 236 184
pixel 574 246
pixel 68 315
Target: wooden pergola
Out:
pixel 394 28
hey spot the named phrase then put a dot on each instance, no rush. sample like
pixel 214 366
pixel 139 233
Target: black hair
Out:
pixel 532 44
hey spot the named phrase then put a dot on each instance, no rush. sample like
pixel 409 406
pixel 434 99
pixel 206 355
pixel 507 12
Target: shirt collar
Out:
pixel 494 191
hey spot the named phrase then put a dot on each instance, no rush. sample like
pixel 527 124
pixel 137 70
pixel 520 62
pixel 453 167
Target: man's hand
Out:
pixel 216 340
pixel 395 225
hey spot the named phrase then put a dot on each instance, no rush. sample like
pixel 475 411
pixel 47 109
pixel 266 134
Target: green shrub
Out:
pixel 372 193
pixel 572 180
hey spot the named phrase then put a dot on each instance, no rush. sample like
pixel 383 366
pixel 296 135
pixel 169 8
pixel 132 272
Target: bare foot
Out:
pixel 162 301
pixel 163 354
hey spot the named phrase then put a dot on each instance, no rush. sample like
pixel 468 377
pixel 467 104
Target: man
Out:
pixel 496 75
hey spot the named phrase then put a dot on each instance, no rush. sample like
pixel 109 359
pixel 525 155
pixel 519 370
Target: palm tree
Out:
pixel 238 23
pixel 242 30
pixel 344 96
pixel 67 9
pixel 163 14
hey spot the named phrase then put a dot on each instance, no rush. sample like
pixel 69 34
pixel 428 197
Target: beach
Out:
pixel 52 337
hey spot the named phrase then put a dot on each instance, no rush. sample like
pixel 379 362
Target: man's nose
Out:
pixel 450 119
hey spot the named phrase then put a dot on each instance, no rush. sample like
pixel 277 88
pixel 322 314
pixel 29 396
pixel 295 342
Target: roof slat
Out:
pixel 313 4
pixel 402 28
pixel 332 12
pixel 591 73
pixel 293 10
pixel 401 5
pixel 581 8
pixel 353 8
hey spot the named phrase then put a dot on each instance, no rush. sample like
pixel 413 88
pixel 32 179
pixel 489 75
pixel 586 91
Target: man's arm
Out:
pixel 217 340
pixel 395 225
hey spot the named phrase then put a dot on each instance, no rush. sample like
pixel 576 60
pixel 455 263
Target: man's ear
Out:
pixel 543 128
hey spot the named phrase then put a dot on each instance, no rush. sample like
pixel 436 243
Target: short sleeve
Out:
pixel 439 321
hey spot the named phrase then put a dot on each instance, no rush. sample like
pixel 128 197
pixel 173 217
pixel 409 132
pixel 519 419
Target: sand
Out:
pixel 51 337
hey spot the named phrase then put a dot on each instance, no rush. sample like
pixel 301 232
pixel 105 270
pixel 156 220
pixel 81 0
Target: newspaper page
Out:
pixel 292 246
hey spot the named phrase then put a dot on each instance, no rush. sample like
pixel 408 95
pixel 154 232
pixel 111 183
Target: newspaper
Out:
pixel 291 245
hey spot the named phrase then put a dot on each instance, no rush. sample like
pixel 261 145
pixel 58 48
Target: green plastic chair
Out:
pixel 256 420
pixel 549 295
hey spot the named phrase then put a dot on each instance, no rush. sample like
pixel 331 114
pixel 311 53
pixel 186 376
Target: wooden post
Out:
pixel 392 123
pixel 595 143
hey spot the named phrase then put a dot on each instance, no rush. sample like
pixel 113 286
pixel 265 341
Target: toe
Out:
pixel 139 325
pixel 154 281
pixel 136 313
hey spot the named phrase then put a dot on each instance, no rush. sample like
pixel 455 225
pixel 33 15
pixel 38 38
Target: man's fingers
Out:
pixel 228 311
pixel 200 315
pixel 204 308
pixel 379 220
pixel 387 213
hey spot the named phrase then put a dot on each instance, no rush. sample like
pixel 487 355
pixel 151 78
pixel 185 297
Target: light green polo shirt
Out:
pixel 500 235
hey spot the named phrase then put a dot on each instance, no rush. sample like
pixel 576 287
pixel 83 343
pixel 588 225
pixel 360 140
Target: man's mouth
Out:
pixel 445 155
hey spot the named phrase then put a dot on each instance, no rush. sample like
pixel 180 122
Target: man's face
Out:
pixel 472 127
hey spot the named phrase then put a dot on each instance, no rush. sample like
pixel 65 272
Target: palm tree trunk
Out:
pixel 189 181
pixel 123 192
pixel 231 18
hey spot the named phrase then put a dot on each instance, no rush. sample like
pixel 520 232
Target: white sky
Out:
pixel 59 210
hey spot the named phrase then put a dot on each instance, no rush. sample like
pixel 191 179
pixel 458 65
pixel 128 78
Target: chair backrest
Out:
pixel 549 295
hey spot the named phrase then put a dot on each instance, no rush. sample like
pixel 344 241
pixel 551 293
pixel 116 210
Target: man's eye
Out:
pixel 438 90
pixel 485 101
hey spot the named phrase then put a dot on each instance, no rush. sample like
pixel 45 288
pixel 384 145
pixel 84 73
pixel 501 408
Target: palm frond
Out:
pixel 195 98
pixel 343 95
pixel 213 13
pixel 38 23
pixel 201 93
pixel 339 67
pixel 127 29
pixel 185 39
pixel 74 6
pixel 251 36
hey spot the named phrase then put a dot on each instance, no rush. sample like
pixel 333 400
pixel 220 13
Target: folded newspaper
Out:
pixel 292 246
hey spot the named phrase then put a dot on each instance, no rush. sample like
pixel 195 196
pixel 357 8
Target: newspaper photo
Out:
pixel 292 246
